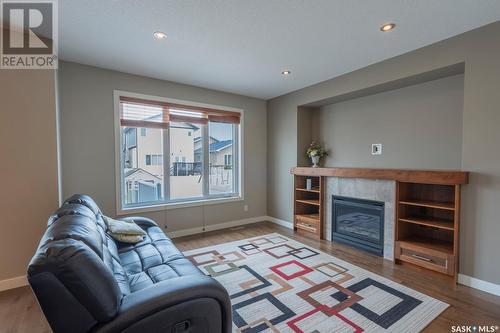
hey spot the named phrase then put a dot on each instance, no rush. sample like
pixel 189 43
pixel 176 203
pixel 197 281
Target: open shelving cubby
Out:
pixel 427 225
pixel 308 206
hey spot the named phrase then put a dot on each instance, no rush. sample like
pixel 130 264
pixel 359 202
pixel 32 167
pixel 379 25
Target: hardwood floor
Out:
pixel 19 311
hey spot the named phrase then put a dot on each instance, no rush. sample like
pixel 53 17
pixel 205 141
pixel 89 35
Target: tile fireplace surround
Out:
pixel 370 189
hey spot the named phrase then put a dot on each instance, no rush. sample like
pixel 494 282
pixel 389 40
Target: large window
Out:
pixel 176 153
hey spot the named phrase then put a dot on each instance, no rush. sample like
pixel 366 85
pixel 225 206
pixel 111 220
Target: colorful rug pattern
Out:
pixel 279 285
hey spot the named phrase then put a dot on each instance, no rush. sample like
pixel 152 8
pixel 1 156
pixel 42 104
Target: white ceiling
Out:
pixel 241 46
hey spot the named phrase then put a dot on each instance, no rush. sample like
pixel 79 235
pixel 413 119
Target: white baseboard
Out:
pixel 472 282
pixel 282 223
pixel 212 227
pixel 230 224
pixel 16 282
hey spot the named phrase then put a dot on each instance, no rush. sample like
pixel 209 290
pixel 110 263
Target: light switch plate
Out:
pixel 376 149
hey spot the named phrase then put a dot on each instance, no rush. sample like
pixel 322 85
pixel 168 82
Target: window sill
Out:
pixel 176 205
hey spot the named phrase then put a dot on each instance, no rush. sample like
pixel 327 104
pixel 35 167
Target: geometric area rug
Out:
pixel 280 285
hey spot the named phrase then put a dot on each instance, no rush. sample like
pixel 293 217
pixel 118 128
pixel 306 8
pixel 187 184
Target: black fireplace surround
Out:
pixel 358 222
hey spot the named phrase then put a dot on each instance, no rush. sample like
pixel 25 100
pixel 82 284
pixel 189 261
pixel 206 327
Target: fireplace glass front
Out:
pixel 358 222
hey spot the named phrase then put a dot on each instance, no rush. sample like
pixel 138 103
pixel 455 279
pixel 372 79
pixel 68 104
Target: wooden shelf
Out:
pixel 305 227
pixel 308 206
pixel 430 222
pixel 314 202
pixel 429 204
pixel 428 243
pixel 313 190
pixel 308 218
pixel 428 216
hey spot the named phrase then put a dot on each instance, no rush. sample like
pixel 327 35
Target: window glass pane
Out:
pixel 221 158
pixel 186 160
pixel 143 180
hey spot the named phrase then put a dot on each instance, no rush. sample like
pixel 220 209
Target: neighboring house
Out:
pixel 221 162
pixel 221 153
pixel 142 186
pixel 182 148
pixel 142 148
pixel 198 148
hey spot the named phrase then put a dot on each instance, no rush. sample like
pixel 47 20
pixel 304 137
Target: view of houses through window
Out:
pixel 186 175
pixel 221 162
pixel 143 178
pixel 144 156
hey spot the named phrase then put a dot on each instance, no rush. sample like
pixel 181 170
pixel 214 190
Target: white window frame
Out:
pixel 238 162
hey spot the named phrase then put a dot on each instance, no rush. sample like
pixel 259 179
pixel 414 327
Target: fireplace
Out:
pixel 359 223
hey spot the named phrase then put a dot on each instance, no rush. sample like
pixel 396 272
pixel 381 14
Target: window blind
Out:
pixel 142 113
pixel 145 113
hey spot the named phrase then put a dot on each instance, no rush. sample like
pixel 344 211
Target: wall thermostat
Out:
pixel 376 149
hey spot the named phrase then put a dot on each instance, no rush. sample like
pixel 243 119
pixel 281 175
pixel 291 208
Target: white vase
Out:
pixel 315 161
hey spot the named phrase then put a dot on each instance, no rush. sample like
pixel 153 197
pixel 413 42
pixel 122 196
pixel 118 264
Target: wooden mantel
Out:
pixel 444 177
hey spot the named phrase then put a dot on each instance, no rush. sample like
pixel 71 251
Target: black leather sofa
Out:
pixel 87 282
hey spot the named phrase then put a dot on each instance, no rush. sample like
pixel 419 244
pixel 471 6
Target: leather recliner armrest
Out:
pixel 142 221
pixel 148 302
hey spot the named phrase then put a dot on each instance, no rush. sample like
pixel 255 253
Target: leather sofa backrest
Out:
pixel 79 262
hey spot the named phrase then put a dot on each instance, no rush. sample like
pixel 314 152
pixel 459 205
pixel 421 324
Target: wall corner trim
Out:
pixel 16 282
pixel 482 285
pixel 282 223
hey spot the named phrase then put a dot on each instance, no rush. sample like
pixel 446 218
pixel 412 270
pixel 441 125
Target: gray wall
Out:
pixel 28 153
pixel 419 126
pixel 480 51
pixel 87 139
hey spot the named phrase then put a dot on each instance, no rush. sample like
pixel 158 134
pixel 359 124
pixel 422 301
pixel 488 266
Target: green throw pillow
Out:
pixel 123 227
pixel 127 238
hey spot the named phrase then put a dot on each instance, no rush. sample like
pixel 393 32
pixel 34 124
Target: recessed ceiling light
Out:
pixel 387 27
pixel 159 35
pixel 286 72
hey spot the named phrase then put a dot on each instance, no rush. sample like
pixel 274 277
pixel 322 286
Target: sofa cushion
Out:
pixel 83 205
pixel 153 260
pixel 77 227
pixel 84 200
pixel 71 209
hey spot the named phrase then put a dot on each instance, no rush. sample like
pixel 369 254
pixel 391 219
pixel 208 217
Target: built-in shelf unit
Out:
pixel 427 228
pixel 308 206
